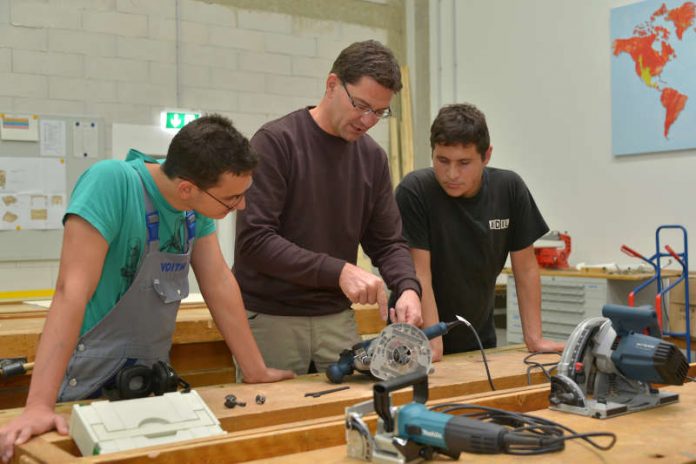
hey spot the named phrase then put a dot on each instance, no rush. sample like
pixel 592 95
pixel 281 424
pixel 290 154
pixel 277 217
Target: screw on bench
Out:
pixel 231 402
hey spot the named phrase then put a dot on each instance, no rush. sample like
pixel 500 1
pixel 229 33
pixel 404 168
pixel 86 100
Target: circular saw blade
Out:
pixel 400 349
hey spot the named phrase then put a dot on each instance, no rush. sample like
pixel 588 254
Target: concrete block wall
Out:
pixel 127 60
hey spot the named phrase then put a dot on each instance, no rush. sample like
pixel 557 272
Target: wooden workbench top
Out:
pixel 456 375
pixel 286 404
pixel 22 323
pixel 199 353
pixel 660 435
pixel 600 274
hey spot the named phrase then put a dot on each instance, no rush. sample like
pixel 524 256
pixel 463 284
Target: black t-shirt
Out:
pixel 469 240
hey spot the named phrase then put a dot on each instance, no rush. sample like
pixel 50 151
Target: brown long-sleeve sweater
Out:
pixel 315 197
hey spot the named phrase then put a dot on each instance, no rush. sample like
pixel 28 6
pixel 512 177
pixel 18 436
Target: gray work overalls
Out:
pixel 141 324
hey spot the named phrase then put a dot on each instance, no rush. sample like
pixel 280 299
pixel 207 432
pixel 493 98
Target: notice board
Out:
pixel 41 158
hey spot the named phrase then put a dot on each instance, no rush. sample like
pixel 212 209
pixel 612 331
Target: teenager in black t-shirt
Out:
pixel 461 219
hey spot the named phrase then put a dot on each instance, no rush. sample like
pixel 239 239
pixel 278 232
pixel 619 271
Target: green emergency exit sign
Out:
pixel 177 120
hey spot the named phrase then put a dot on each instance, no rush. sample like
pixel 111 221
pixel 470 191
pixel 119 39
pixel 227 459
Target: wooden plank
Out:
pixel 38 450
pixel 394 158
pixel 407 161
pixel 20 330
pixel 368 319
pixel 600 274
pixel 317 433
pixel 657 435
pixel 285 401
pixel 199 354
pixel 282 440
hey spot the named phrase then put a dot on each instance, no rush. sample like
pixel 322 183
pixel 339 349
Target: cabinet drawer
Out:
pixel 556 330
pixel 561 318
pixel 563 307
pixel 561 298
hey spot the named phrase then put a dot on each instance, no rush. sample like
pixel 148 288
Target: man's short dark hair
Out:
pixel 460 123
pixel 369 58
pixel 206 148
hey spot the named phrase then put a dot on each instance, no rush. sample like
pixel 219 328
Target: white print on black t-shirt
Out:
pixel 498 224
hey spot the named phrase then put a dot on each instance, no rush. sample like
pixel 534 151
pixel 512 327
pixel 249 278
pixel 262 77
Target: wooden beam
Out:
pixel 407 162
pixel 394 156
pixel 298 437
pixel 199 354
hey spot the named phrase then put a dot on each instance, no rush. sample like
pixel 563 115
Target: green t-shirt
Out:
pixel 109 196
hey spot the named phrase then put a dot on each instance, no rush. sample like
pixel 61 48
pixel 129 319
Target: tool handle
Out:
pixel 674 255
pixel 17 368
pixel 632 252
pixel 436 330
pixel 340 369
pixel 474 436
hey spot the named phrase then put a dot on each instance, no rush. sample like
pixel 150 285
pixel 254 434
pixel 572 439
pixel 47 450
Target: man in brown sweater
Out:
pixel 321 189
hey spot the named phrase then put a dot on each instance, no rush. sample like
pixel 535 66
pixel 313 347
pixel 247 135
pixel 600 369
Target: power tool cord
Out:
pixel 537 365
pixel 527 435
pixel 483 353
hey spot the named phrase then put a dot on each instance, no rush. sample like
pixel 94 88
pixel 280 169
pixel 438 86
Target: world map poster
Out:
pixel 653 77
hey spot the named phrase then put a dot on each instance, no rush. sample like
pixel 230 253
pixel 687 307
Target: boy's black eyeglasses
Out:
pixel 235 200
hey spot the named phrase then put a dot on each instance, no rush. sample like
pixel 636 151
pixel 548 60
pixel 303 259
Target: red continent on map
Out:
pixel 674 103
pixel 682 17
pixel 645 57
pixel 650 51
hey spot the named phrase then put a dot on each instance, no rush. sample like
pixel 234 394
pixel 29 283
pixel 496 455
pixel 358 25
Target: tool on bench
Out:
pixel 413 432
pixel 399 349
pixel 608 365
pixel 553 257
pixel 9 367
pixel 326 392
pixel 231 401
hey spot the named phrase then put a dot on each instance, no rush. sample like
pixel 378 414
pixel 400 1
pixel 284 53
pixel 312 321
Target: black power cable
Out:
pixel 483 353
pixel 527 360
pixel 527 435
pixel 537 365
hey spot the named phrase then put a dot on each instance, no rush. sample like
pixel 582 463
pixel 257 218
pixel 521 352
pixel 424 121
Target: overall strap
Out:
pixel 151 217
pixel 190 226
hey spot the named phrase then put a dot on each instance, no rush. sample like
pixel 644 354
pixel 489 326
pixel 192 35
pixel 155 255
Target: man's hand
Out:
pixel 33 421
pixel 437 348
pixel 270 375
pixel 543 344
pixel 364 287
pixel 407 309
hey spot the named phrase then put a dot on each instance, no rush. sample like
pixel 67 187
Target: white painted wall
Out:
pixel 540 71
pixel 126 60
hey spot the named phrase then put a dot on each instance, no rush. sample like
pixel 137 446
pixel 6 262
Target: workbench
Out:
pixel 290 427
pixel 660 435
pixel 268 430
pixel 199 354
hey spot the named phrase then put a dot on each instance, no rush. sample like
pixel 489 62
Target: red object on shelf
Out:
pixel 552 257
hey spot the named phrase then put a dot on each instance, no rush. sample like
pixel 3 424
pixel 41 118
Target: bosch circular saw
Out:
pixel 609 364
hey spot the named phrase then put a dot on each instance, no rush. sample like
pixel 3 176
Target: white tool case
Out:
pixel 108 426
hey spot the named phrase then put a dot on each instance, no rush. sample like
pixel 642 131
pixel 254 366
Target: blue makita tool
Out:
pixel 412 433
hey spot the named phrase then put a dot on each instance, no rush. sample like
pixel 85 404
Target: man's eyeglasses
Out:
pixel 366 109
pixel 236 199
